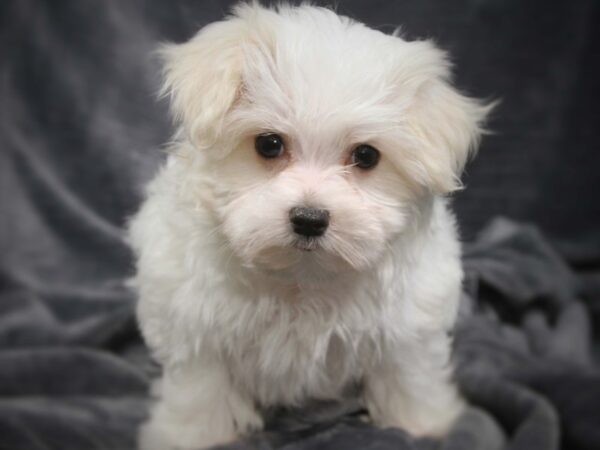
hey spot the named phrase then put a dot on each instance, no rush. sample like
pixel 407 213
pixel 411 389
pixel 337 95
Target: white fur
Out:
pixel 239 317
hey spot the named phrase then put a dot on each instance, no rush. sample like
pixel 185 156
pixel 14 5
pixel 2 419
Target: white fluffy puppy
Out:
pixel 298 238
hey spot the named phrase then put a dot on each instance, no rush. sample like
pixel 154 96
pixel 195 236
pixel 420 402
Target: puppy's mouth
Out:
pixel 306 244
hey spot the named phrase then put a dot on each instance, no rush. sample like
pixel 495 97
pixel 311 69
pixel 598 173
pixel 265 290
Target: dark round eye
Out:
pixel 365 156
pixel 269 145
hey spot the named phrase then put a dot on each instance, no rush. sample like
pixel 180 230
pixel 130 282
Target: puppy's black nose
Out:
pixel 309 221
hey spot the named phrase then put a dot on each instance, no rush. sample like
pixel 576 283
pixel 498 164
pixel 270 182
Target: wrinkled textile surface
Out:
pixel 79 132
pixel 75 375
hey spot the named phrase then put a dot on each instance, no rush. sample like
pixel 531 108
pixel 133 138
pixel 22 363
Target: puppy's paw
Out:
pixel 432 422
pixel 188 436
pixel 168 431
pixel 422 419
pixel 424 403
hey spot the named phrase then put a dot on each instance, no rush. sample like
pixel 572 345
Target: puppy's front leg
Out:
pixel 411 388
pixel 197 408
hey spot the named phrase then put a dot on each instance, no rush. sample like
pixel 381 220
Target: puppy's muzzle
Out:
pixel 309 222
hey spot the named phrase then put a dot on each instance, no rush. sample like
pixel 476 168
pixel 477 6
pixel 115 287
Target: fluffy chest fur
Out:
pixel 318 342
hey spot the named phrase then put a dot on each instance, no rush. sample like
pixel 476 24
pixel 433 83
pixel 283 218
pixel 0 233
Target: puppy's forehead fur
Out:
pixel 329 78
pixel 320 59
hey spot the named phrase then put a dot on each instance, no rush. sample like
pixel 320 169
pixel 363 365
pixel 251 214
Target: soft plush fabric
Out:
pixel 80 132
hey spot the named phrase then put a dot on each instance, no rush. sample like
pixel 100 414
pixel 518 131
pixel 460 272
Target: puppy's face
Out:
pixel 322 138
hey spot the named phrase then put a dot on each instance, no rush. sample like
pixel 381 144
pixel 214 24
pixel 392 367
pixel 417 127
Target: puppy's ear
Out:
pixel 203 76
pixel 447 124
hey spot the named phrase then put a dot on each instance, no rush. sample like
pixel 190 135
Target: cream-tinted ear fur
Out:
pixel 449 126
pixel 446 124
pixel 202 78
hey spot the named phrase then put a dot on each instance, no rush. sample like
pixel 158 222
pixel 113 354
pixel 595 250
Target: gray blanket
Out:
pixel 75 375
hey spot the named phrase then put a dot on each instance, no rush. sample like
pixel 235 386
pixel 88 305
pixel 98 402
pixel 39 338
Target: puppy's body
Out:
pixel 241 311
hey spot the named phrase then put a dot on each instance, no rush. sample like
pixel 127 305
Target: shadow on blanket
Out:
pixel 74 373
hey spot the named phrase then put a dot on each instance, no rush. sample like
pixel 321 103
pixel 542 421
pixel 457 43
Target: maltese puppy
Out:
pixel 298 239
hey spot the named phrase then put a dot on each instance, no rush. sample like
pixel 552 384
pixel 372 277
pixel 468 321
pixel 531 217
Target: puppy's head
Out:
pixel 321 138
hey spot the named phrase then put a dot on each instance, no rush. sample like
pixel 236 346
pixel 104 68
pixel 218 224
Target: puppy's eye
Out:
pixel 269 145
pixel 365 156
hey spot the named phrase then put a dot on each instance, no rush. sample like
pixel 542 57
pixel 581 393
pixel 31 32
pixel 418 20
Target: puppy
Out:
pixel 298 238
